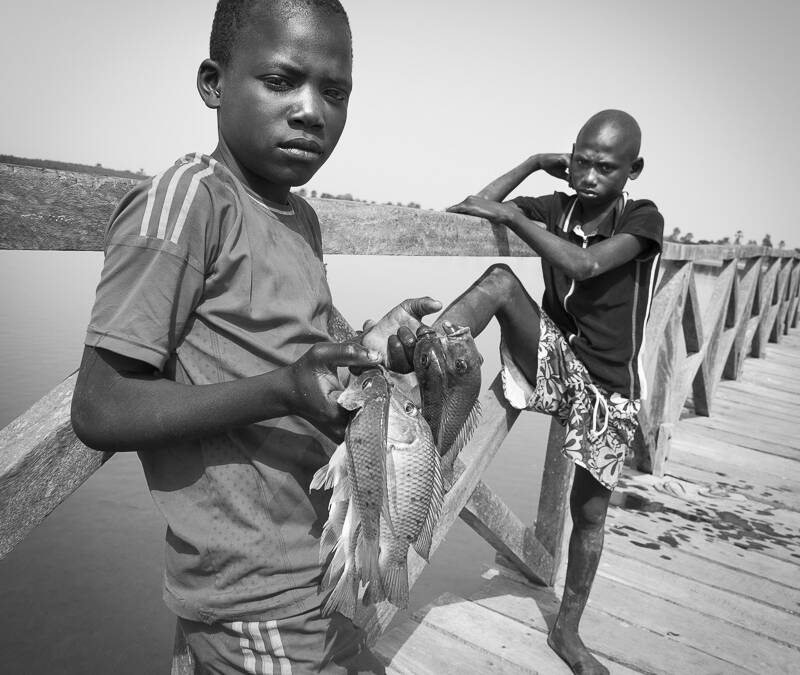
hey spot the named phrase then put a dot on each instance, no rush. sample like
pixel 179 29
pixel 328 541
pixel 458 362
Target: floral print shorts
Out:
pixel 599 425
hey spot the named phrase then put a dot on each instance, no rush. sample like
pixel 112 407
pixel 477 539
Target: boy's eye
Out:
pixel 580 161
pixel 606 168
pixel 277 83
pixel 336 94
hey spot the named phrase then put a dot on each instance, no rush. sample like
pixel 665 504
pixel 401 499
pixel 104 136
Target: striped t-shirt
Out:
pixel 603 318
pixel 208 283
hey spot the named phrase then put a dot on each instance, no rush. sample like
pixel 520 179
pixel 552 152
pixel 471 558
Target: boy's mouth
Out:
pixel 302 148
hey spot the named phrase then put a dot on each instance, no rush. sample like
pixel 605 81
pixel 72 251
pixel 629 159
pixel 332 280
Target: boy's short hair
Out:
pixel 231 15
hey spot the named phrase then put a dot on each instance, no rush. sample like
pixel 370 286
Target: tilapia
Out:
pixel 408 502
pixel 365 438
pixel 414 495
pixel 448 368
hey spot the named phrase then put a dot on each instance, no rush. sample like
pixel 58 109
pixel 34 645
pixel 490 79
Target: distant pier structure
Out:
pixel 701 569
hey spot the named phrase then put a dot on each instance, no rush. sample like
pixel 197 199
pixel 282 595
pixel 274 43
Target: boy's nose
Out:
pixel 308 108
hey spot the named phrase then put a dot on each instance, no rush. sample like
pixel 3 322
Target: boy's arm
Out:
pixel 556 164
pixel 576 262
pixel 121 403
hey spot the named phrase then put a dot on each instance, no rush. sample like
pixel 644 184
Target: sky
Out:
pixel 447 96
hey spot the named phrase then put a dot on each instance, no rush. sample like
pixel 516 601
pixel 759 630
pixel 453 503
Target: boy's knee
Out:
pixel 502 278
pixel 591 514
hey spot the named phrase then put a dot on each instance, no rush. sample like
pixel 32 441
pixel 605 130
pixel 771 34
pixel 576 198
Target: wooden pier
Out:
pixel 700 570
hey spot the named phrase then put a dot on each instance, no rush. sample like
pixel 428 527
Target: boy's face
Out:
pixel 284 97
pixel 602 162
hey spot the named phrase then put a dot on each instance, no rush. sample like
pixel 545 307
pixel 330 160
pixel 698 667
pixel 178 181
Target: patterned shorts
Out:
pixel 600 425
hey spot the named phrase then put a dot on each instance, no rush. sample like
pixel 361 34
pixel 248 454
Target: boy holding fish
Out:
pixel 578 356
pixel 209 349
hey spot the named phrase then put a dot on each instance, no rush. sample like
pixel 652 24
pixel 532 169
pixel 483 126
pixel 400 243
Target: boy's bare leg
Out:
pixel 588 506
pixel 498 292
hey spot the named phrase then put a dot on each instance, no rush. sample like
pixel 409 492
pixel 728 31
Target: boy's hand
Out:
pixel 556 164
pixel 378 336
pixel 315 385
pixel 494 212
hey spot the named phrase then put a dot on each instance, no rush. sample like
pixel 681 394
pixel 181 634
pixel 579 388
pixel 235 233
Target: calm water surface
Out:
pixel 82 593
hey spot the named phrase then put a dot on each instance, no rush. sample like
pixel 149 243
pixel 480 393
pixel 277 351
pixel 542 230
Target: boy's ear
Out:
pixel 209 76
pixel 636 168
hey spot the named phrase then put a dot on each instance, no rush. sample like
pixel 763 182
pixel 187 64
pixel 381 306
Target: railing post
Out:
pixel 551 516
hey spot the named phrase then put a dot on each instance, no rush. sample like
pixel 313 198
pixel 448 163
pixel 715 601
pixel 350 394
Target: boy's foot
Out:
pixel 575 654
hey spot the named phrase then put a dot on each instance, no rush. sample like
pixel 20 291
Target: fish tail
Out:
pixel 367 560
pixel 395 583
pixel 424 540
pixel 343 597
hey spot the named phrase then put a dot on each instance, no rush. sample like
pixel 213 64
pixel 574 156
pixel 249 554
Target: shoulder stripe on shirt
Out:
pixel 188 199
pixel 162 193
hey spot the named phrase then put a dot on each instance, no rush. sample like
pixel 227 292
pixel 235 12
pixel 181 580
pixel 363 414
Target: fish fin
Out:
pixel 341 491
pixel 333 472
pixel 374 593
pixel 343 596
pixel 332 529
pixel 395 583
pixel 367 559
pixel 463 435
pixel 424 540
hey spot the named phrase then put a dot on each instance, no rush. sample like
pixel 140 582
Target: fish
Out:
pixel 369 394
pixel 447 364
pixel 408 503
pixel 414 496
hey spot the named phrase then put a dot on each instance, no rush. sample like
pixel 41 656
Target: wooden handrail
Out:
pixel 693 339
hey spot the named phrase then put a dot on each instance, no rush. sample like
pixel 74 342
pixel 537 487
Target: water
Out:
pixel 82 593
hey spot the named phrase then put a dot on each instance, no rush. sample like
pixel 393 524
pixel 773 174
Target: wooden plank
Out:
pixel 415 649
pixel 516 643
pixel 782 492
pixel 749 552
pixel 496 420
pixel 748 465
pixel 746 285
pixel 491 518
pixel 759 396
pixel 766 316
pixel 748 613
pixel 699 434
pixel 695 502
pixel 701 569
pixel 64 210
pixel 623 641
pixel 41 464
pixel 692 628
pixel 748 425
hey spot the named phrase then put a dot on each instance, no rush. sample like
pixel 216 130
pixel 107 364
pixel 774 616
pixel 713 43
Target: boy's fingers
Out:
pixel 334 354
pixel 419 307
pixel 396 356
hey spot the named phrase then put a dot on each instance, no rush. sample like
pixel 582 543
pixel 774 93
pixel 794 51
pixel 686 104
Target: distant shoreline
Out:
pixel 72 166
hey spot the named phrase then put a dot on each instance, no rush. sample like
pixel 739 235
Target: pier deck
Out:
pixel 701 568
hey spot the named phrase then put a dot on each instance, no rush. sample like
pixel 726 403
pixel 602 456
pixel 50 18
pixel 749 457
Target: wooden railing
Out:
pixel 714 306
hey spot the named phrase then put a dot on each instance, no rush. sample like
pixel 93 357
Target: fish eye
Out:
pixel 461 366
pixel 410 408
pixel 366 384
pixel 424 360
